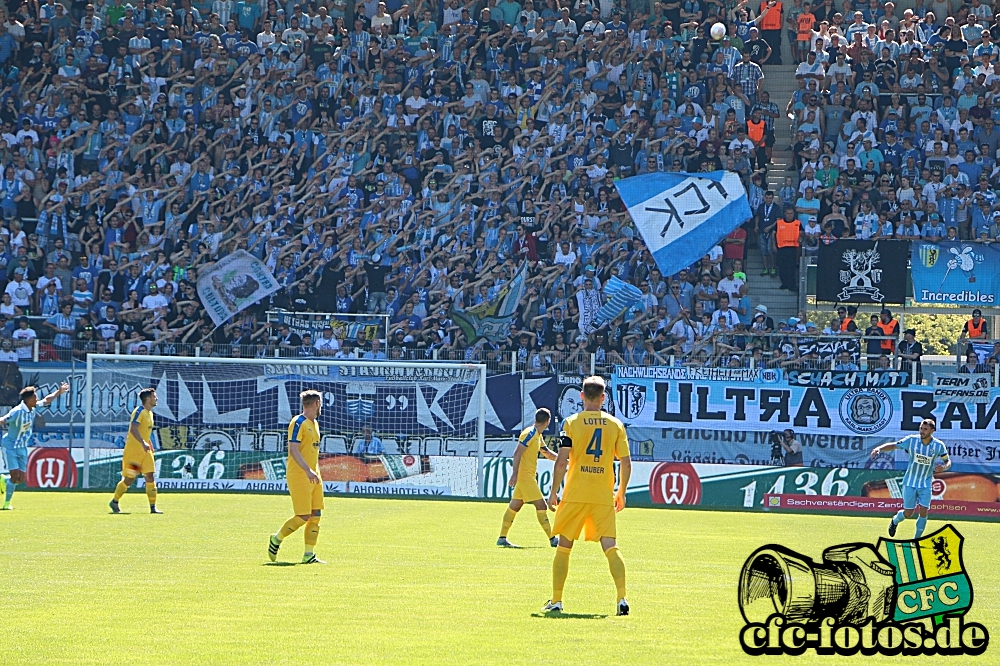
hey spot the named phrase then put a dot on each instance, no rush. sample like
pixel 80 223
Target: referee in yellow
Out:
pixel 305 484
pixel 589 443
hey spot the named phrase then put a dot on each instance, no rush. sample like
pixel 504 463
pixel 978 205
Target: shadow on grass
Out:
pixel 570 616
pixel 279 564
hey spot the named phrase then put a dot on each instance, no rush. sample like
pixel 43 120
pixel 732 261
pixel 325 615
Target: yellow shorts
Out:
pixel 137 460
pixel 527 490
pixel 306 497
pixel 594 520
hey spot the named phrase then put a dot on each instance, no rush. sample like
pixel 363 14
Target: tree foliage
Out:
pixel 937 332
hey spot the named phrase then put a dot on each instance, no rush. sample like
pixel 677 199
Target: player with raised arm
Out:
pixel 589 443
pixel 523 479
pixel 923 450
pixel 20 422
pixel 305 484
pixel 137 458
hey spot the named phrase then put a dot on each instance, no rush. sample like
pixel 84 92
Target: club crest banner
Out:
pixel 956 273
pixel 234 283
pixel 857 271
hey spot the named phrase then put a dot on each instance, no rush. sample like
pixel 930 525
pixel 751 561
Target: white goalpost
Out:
pixel 232 415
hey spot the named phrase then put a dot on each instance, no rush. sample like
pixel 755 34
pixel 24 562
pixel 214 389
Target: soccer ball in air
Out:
pixel 718 31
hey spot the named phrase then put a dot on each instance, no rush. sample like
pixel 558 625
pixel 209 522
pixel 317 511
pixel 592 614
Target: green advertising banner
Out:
pixel 653 484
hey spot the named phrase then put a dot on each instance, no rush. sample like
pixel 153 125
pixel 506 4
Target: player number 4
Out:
pixel 594 447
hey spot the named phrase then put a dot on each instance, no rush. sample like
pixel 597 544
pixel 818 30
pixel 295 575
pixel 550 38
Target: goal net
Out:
pixel 387 427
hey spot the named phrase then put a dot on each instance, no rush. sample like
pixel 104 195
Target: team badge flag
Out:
pixel 956 273
pixel 234 283
pixel 931 580
pixel 491 320
pixel 621 296
pixel 681 216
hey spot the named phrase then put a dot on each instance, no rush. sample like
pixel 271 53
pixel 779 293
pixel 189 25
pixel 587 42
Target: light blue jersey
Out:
pixel 920 470
pixel 20 427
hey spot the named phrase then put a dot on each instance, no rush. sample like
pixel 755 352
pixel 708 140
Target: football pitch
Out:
pixel 407 582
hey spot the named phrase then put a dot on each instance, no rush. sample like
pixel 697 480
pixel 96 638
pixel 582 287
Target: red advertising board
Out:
pixel 51 468
pixel 883 506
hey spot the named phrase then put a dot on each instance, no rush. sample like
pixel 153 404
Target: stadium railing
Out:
pixel 809 352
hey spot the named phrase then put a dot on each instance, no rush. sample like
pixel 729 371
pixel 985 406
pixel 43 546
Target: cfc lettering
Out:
pixel 922 598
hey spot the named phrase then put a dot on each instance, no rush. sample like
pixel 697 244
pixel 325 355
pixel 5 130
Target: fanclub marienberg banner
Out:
pixel 863 403
pixel 857 271
pixel 956 273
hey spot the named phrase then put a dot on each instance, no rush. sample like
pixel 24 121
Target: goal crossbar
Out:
pixel 476 370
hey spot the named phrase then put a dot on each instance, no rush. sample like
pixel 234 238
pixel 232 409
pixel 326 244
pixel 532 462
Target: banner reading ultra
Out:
pixel 765 403
pixel 955 273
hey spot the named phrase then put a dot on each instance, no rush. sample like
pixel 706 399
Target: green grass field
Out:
pixel 408 582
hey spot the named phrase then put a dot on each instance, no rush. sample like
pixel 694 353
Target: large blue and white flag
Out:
pixel 681 216
pixel 621 296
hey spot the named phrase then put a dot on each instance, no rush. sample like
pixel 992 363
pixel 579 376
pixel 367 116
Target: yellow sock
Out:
pixel 312 533
pixel 560 569
pixel 290 526
pixel 151 492
pixel 120 490
pixel 617 566
pixel 543 520
pixel 508 520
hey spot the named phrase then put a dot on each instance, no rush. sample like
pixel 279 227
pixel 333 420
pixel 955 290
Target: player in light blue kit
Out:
pixel 923 449
pixel 20 423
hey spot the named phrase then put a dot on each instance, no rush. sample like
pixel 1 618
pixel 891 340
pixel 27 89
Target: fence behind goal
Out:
pixel 387 427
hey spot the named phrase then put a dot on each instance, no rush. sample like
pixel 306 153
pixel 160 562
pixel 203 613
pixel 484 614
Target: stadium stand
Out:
pixel 401 159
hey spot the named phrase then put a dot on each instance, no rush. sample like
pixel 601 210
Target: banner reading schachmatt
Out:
pixel 681 216
pixel 651 397
pixel 955 273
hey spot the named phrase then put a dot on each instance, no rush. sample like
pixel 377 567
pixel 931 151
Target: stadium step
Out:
pixel 764 290
pixel 779 81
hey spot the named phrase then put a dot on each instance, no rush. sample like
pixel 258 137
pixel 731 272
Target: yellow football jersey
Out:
pixel 531 440
pixel 144 418
pixel 598 438
pixel 305 434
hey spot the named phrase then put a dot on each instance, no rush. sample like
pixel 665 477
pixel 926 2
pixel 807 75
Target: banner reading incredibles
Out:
pixel 955 273
pixel 765 400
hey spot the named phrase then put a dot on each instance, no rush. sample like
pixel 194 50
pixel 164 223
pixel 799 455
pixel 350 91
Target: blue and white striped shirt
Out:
pixel 20 427
pixel 920 470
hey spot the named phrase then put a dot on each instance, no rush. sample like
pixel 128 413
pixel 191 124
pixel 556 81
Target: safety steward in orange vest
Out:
pixel 847 315
pixel 756 128
pixel 975 328
pixel 889 327
pixel 771 24
pixel 788 238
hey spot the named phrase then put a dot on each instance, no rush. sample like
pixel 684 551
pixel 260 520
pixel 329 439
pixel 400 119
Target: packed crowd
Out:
pixel 384 158
pixel 895 121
